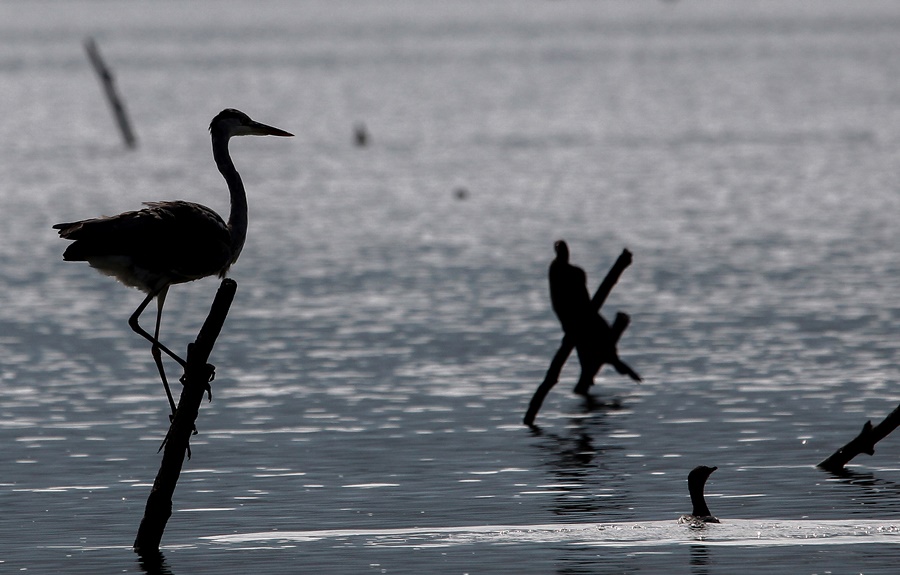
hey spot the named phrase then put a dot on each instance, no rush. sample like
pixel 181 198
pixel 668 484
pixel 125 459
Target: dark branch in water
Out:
pixel 862 443
pixel 568 343
pixel 197 376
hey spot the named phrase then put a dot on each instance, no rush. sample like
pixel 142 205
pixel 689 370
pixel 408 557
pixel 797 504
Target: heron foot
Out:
pixel 211 369
pixel 166 439
pixel 171 421
pixel 208 375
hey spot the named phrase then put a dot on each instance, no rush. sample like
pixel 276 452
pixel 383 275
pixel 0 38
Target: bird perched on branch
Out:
pixel 170 242
pixel 594 340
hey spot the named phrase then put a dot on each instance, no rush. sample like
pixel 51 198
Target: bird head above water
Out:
pixel 698 476
pixel 562 250
pixel 230 122
pixel 696 482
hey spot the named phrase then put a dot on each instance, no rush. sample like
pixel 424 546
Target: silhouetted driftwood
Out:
pixel 112 95
pixel 862 443
pixel 197 376
pixel 568 343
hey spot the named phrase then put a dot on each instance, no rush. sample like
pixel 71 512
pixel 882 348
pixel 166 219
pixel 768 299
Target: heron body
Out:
pixel 189 242
pixel 170 242
pixel 594 341
pixel 700 514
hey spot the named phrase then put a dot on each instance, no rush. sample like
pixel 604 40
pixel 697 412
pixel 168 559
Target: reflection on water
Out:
pixel 873 491
pixel 584 486
pixel 735 532
pixel 154 564
pixel 699 559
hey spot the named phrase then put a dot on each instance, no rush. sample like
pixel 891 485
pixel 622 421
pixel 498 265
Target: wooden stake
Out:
pixel 196 380
pixel 112 95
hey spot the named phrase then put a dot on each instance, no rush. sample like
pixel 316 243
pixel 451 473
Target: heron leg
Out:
pixel 135 326
pixel 154 350
pixel 157 347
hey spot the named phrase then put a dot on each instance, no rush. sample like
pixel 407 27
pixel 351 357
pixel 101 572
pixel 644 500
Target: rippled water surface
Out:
pixel 387 335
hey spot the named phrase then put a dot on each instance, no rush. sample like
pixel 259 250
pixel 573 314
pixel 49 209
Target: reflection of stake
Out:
pixel 862 443
pixel 112 95
pixel 568 343
pixel 197 376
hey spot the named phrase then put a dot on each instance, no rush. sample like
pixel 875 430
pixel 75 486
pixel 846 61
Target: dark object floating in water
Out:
pixel 361 135
pixel 700 514
pixel 460 193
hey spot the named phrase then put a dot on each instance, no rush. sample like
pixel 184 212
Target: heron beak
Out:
pixel 259 129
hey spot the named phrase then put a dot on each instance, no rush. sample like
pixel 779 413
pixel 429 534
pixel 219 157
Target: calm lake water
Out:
pixel 386 336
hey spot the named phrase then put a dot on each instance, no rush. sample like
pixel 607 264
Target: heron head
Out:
pixel 230 122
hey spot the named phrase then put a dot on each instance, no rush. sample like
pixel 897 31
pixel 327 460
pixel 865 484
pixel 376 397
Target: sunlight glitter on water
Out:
pixel 387 335
pixel 736 532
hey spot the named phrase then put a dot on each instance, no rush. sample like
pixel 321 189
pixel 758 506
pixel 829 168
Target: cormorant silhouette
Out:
pixel 700 514
pixel 593 337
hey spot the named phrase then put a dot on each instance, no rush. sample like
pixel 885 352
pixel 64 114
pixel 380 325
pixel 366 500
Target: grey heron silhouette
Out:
pixel 170 242
pixel 593 337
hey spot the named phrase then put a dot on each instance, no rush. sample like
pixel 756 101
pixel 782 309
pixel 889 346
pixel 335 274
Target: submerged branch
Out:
pixel 864 442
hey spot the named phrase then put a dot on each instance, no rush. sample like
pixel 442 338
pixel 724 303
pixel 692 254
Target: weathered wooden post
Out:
pixel 196 379
pixel 568 343
pixel 112 95
pixel 862 443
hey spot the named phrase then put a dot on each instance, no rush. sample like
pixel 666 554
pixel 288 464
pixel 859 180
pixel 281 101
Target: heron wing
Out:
pixel 179 240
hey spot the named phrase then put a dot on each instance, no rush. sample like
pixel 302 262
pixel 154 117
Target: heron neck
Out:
pixel 237 218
